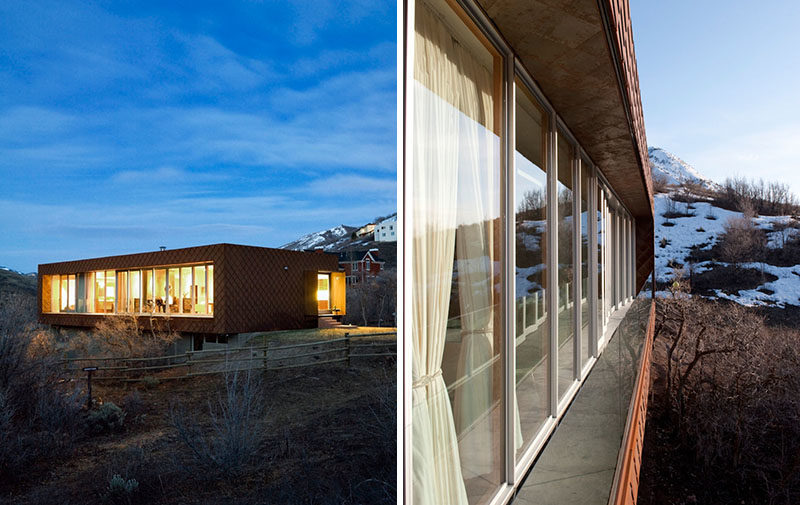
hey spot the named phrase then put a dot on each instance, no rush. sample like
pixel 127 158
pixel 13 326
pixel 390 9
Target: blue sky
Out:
pixel 719 83
pixel 129 125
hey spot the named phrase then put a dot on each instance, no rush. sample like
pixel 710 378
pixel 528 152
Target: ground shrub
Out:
pixel 723 423
pixel 39 412
pixel 728 279
pixel 230 445
pixel 742 241
pixel 106 418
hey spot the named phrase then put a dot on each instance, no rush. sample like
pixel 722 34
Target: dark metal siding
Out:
pixel 252 289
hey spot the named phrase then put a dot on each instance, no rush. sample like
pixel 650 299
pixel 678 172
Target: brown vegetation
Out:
pixel 723 423
pixel 314 435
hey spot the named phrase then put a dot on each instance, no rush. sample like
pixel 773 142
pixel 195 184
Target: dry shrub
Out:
pixel 373 301
pixel 39 413
pixel 122 336
pixel 731 400
pixel 229 447
pixel 742 241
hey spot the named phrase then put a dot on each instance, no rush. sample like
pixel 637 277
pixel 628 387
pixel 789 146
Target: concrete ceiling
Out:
pixel 563 44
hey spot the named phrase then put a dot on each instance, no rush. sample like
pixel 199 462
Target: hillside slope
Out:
pixel 674 170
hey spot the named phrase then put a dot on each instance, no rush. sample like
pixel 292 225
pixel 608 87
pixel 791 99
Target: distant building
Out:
pixel 386 230
pixel 359 265
pixel 365 230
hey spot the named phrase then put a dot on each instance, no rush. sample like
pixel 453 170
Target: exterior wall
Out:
pixel 386 231
pixel 357 271
pixel 255 288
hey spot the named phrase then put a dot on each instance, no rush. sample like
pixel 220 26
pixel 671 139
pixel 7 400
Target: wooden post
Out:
pixel 347 347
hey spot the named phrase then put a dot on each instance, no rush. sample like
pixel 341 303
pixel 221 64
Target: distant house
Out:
pixel 386 230
pixel 365 230
pixel 359 265
pixel 212 290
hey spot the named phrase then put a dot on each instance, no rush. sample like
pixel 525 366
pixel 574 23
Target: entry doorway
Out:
pixel 324 293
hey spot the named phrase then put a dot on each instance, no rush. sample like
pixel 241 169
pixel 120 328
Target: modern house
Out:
pixel 386 230
pixel 526 206
pixel 367 229
pixel 359 266
pixel 208 290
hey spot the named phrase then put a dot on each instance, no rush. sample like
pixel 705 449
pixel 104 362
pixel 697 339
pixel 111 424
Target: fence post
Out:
pixel 524 313
pixel 347 346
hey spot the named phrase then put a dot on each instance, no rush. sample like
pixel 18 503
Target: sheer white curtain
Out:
pixel 475 264
pixel 437 478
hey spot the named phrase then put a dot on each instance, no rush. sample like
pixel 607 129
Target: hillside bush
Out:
pixel 231 446
pixel 121 335
pixel 742 241
pixel 39 412
pixel 725 406
pixel 764 198
pixel 106 418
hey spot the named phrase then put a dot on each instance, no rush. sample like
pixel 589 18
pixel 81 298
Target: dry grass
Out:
pixel 319 334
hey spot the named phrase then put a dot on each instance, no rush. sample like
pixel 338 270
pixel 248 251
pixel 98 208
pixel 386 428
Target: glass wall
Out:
pixel 149 290
pixel 585 171
pixel 566 267
pixel 485 390
pixel 458 257
pixel 532 329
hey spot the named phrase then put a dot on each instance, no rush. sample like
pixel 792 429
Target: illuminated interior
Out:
pixel 323 292
pixel 167 290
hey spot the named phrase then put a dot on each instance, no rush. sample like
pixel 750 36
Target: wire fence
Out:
pixel 268 356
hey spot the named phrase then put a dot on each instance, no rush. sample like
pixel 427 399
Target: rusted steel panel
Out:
pixel 255 288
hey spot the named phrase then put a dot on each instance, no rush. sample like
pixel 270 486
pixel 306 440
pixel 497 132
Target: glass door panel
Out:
pixel 532 331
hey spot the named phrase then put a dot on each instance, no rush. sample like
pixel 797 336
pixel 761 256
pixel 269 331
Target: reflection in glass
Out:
pixel 585 345
pixel 532 328
pixel 456 165
pixel 566 274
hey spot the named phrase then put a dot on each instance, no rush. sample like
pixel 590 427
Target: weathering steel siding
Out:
pixel 255 288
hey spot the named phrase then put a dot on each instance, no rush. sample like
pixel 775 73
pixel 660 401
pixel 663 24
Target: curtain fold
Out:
pixel 437 477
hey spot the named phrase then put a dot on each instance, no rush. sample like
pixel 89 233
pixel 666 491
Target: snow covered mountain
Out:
pixel 327 239
pixel 675 170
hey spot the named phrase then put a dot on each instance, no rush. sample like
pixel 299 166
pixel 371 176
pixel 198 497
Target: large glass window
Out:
pixel 566 270
pixel 186 290
pixel 458 252
pixel 160 290
pixel 151 290
pixel 173 291
pixel 200 290
pixel 122 289
pixel 210 274
pixel 135 298
pixel 149 302
pixel 585 257
pixel 532 335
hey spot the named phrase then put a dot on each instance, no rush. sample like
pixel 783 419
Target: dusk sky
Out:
pixel 125 126
pixel 719 83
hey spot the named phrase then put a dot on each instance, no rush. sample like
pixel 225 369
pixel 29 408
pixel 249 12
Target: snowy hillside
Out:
pixel 675 237
pixel 675 170
pixel 327 239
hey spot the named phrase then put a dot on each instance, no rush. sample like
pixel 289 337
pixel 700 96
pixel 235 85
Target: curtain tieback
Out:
pixel 426 379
